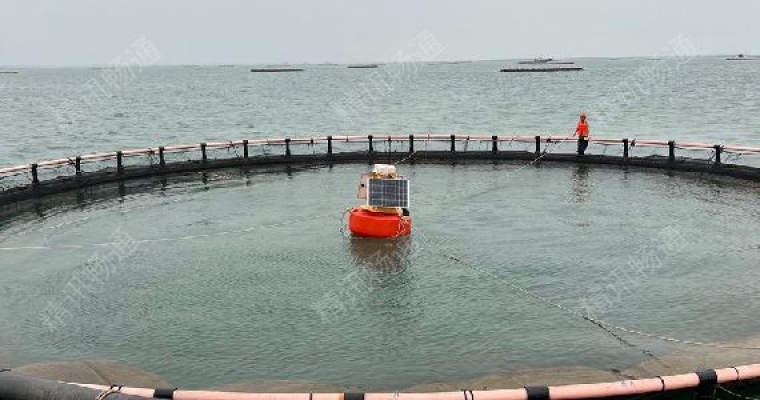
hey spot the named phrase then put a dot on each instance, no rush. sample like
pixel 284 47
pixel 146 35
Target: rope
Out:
pixel 607 326
pixel 343 222
pixel 234 149
pixel 403 160
pixel 104 394
pixel 544 300
pixel 547 150
pixel 737 395
pixel 167 239
pixel 730 154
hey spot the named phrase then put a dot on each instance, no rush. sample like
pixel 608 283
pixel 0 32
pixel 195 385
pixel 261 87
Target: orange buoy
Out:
pixel 386 213
pixel 366 223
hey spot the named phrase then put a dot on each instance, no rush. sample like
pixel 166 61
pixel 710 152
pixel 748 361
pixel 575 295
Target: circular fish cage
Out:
pixel 531 272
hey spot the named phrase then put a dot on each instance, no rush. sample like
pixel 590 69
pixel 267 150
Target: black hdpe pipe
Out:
pixel 17 387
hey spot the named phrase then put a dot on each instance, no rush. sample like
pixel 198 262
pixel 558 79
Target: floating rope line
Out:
pixel 737 395
pixel 606 326
pixel 403 160
pixel 560 307
pixel 548 150
pixel 234 149
pixel 168 239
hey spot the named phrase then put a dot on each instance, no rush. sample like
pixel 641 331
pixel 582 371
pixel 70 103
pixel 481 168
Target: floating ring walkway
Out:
pixel 30 181
pixel 701 384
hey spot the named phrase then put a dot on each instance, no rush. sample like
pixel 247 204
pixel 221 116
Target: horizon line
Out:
pixel 236 64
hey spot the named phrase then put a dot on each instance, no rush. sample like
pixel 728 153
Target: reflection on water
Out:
pixel 382 256
pixel 580 186
pixel 392 301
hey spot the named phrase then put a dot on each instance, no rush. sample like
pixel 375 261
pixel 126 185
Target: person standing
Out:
pixel 582 131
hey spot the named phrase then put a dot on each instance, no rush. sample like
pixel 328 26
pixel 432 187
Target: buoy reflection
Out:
pixel 382 257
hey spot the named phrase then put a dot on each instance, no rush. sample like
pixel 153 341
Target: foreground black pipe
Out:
pixel 17 387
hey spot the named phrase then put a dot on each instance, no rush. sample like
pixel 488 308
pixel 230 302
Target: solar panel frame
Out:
pixel 388 193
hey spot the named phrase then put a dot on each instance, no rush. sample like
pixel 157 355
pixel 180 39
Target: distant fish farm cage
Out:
pixel 449 62
pixel 743 57
pixel 54 176
pixel 277 69
pixel 543 68
pixel 363 65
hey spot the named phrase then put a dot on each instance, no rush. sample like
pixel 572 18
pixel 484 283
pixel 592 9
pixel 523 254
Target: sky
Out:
pixel 95 32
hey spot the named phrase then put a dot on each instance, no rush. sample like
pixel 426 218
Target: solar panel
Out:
pixel 388 193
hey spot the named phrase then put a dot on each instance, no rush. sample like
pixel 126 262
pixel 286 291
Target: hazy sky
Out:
pixel 83 32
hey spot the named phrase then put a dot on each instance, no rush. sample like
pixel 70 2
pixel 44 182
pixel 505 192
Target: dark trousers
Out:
pixel 582 145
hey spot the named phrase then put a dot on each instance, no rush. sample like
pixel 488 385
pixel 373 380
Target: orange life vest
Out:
pixel 582 129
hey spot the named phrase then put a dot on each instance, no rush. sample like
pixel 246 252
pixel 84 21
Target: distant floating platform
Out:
pixel 543 68
pixel 363 66
pixel 8 72
pixel 449 62
pixel 276 69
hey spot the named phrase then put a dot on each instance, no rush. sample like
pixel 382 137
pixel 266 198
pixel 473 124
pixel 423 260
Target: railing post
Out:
pixel 538 145
pixel 35 176
pixel 453 143
pixel 390 149
pixel 161 159
pixel 203 152
pixel 245 150
pixel 494 144
pixel 718 150
pixel 625 148
pixel 78 165
pixel 671 151
pixel 329 145
pixel 411 143
pixel 119 162
pixel 369 140
pixel 287 147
